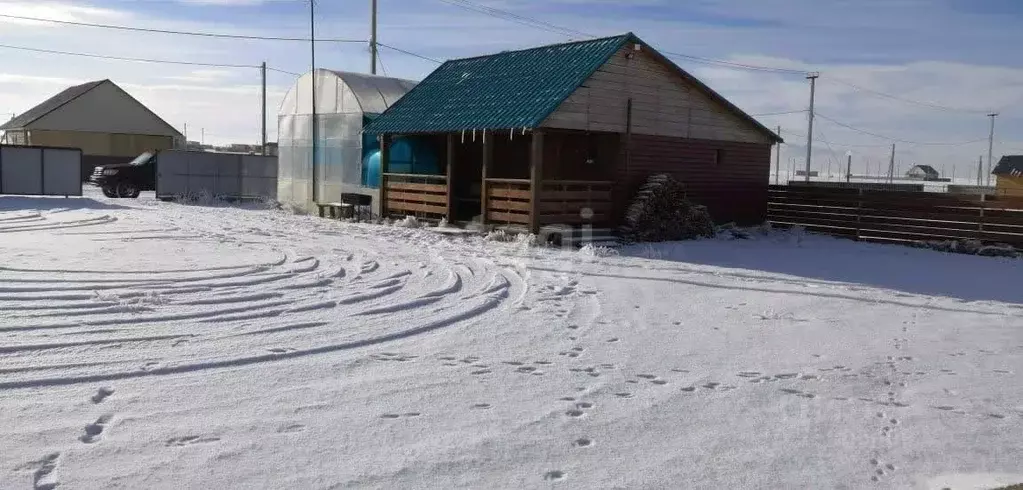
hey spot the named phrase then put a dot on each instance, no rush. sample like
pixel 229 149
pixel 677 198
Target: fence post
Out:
pixel 983 199
pixel 859 210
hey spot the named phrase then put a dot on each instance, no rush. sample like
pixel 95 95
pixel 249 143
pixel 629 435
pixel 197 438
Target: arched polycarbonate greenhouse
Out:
pixel 346 161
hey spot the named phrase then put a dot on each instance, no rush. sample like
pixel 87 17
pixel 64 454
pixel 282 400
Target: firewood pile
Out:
pixel 660 212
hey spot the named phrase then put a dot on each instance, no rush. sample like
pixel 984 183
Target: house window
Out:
pixel 719 156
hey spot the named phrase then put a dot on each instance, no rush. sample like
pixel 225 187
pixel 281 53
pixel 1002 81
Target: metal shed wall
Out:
pixel 230 175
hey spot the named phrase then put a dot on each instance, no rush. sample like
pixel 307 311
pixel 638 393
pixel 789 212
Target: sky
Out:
pixel 922 74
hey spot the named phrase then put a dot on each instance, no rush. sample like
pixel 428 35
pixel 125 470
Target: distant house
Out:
pixel 100 118
pixel 923 172
pixel 566 135
pixel 1009 173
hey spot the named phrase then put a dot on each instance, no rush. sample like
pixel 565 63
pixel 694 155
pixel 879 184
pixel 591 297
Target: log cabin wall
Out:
pixel 676 128
pixel 730 178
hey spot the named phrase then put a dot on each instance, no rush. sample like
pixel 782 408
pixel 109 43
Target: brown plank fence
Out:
pixel 422 196
pixel 897 216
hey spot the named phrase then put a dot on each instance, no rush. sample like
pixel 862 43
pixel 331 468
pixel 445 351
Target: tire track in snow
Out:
pixel 474 309
pixel 292 306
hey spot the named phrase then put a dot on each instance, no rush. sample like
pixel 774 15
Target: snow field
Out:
pixel 155 345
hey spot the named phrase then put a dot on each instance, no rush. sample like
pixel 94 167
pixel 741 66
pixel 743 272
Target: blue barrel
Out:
pixel 409 155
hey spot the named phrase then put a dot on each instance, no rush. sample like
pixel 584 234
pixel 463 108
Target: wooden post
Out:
pixel 535 180
pixel 983 200
pixel 487 157
pixel 450 177
pixel 385 157
pixel 859 211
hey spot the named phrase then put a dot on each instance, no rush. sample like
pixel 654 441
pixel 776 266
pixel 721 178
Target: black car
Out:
pixel 127 179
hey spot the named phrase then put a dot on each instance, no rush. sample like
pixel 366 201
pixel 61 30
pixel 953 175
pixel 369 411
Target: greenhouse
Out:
pixel 346 160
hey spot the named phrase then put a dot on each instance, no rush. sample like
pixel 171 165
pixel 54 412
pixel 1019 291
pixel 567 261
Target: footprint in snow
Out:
pixel 94 430
pixel 289 429
pixel 102 394
pixel 399 415
pixel 554 475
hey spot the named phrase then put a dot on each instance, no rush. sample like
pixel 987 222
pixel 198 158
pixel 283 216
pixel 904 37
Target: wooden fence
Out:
pixel 893 216
pixel 423 196
pixel 508 201
pixel 574 202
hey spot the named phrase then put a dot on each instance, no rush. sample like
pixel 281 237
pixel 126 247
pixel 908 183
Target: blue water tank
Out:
pixel 409 155
pixel 371 169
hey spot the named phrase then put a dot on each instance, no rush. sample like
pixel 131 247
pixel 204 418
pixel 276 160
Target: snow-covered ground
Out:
pixel 158 345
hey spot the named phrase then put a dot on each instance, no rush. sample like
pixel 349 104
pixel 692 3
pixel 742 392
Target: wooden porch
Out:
pixel 506 180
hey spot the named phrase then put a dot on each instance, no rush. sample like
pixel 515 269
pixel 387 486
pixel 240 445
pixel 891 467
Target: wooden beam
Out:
pixel 535 179
pixel 488 153
pixel 385 156
pixel 450 177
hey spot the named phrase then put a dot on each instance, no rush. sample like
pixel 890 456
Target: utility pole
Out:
pixel 312 49
pixel 373 39
pixel 980 170
pixel 777 158
pixel 262 70
pixel 202 136
pixel 186 135
pixel 809 131
pixel 891 165
pixel 848 166
pixel 990 146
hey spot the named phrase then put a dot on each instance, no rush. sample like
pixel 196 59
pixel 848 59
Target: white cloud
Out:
pixel 226 101
pixel 61 11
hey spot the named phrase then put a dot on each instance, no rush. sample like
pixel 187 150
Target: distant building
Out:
pixel 923 172
pixel 100 118
pixel 1009 174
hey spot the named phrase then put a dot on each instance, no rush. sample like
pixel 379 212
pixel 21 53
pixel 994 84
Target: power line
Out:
pixel 903 99
pixel 897 140
pixel 380 60
pixel 137 60
pixel 180 33
pixel 778 113
pixel 284 71
pixel 427 58
pixel 575 34
pixel 519 19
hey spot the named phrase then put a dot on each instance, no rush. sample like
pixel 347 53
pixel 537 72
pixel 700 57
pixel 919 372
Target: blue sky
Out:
pixel 953 53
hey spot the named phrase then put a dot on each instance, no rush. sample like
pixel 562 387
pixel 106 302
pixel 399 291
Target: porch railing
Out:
pixel 422 196
pixel 508 201
pixel 575 202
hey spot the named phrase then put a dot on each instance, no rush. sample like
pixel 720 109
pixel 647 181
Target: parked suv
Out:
pixel 127 179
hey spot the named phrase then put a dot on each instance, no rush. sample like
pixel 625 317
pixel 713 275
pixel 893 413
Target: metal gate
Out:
pixel 40 171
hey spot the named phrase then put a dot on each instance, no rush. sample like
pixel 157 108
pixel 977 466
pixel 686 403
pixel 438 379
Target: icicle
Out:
pixel 463 136
pixel 473 135
pixel 484 136
pixel 511 134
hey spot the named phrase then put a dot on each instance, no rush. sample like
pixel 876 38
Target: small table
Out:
pixel 336 210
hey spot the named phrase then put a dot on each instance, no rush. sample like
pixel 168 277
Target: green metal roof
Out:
pixel 516 89
pixel 513 89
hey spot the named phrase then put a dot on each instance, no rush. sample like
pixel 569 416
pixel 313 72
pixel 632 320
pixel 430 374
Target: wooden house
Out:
pixel 566 134
pixel 923 172
pixel 1009 175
